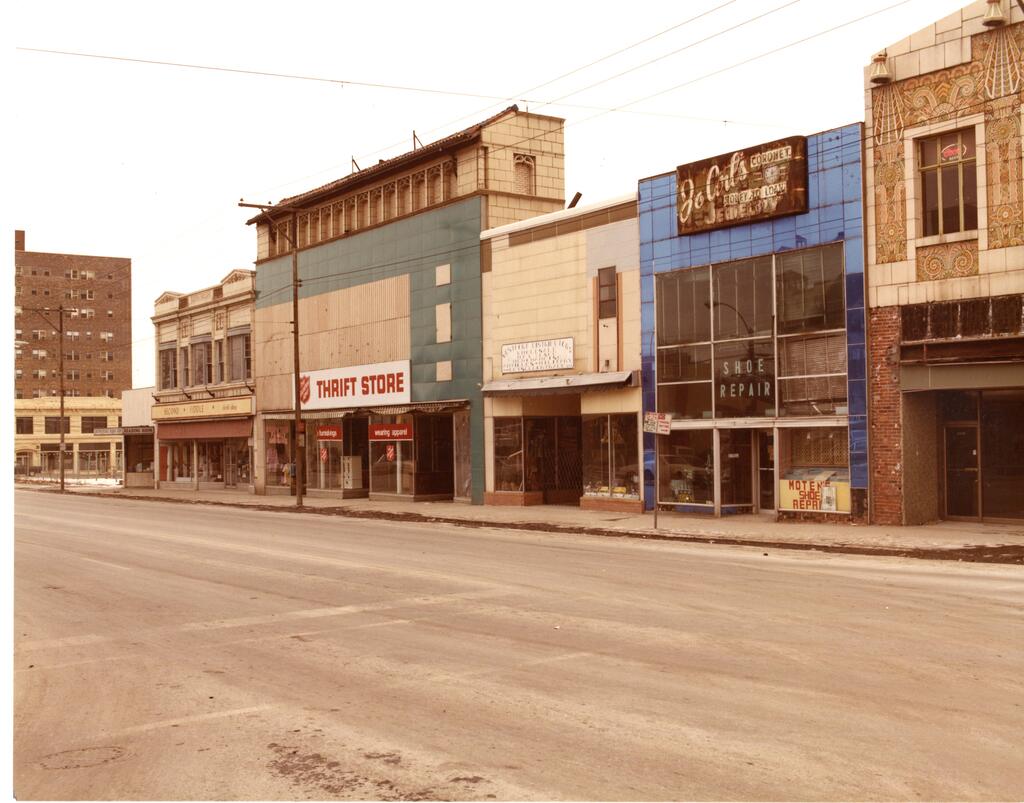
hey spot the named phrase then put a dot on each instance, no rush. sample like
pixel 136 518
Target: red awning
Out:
pixel 198 430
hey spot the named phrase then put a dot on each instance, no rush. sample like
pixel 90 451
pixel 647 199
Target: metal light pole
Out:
pixel 299 461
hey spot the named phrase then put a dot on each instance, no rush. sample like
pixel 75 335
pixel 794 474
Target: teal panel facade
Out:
pixel 414 246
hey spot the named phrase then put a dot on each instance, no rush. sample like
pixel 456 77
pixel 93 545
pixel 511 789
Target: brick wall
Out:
pixel 886 457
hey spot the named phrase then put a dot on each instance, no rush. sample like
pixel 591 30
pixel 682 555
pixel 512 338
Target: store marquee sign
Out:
pixel 356 386
pixel 537 355
pixel 124 431
pixel 820 496
pixel 758 183
pixel 390 432
pixel 203 409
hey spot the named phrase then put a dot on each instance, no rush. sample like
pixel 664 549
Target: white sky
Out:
pixel 136 160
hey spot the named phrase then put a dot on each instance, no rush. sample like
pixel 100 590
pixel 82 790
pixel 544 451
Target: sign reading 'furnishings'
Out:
pixel 537 355
pixel 756 183
pixel 356 386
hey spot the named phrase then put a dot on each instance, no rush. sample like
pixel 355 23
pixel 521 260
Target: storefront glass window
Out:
pixel 812 374
pixel 237 462
pixel 279 454
pixel 810 290
pixel 508 454
pixel 211 461
pixel 596 456
pixel 393 463
pixel 463 469
pixel 686 471
pixel 735 456
pixel 743 299
pixel 815 470
pixel 180 455
pixel 1002 454
pixel 625 456
pixel 744 379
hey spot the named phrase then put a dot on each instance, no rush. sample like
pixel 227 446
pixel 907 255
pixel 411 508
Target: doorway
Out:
pixel 765 470
pixel 962 471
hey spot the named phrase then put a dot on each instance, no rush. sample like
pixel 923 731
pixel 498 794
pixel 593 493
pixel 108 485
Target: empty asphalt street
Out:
pixel 198 652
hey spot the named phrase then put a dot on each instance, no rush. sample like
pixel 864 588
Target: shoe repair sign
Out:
pixel 356 386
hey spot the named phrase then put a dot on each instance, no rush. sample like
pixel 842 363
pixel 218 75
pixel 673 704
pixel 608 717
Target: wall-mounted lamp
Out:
pixel 994 16
pixel 879 73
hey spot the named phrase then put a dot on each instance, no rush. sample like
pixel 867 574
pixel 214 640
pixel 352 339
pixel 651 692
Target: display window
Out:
pixel 337 454
pixel 815 469
pixel 686 469
pixel 392 462
pixel 279 468
pixel 610 448
pixel 508 454
pixel 210 461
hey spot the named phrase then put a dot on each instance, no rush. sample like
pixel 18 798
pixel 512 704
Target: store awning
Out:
pixel 576 383
pixel 390 409
pixel 197 430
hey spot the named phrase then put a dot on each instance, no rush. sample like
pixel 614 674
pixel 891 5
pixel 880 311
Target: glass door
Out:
pixel 962 471
pixel 766 470
pixel 736 464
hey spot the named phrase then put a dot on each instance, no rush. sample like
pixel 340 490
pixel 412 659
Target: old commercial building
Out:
pixel 37 426
pixel 945 223
pixel 204 403
pixel 390 313
pixel 752 268
pixel 96 293
pixel 562 357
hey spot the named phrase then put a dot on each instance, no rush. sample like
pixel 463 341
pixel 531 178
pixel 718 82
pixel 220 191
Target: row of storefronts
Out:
pixel 715 343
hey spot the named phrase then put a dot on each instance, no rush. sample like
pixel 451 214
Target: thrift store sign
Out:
pixel 356 386
pixel 756 183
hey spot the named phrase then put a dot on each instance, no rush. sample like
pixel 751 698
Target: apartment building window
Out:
pixel 73 374
pixel 52 424
pixel 107 356
pixel 106 337
pixel 39 374
pixel 23 425
pixel 38 334
pixel 108 375
pixel 201 363
pixel 607 293
pixel 949 182
pixel 71 335
pixel 168 369
pixel 218 348
pixel 90 313
pixel 90 423
pixel 39 354
pixel 17 372
pixel 240 356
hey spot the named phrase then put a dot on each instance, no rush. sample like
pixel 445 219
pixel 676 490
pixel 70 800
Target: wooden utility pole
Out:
pixel 60 362
pixel 299 458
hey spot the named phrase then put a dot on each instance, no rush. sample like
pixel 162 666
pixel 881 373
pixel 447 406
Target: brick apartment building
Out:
pixel 96 293
pixel 945 256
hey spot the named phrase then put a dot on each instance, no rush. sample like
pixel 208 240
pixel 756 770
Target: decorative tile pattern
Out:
pixel 947 261
pixel 1003 161
pixel 990 82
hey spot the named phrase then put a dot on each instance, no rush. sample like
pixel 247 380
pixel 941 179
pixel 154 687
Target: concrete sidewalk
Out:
pixel 947 537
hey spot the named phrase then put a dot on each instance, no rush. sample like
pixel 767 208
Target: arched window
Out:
pixel 522 173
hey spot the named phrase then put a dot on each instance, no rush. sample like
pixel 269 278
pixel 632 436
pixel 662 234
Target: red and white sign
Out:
pixel 389 450
pixel 357 386
pixel 328 432
pixel 323 454
pixel 390 432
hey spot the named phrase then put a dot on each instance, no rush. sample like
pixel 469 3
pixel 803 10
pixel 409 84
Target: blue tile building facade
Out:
pixel 832 224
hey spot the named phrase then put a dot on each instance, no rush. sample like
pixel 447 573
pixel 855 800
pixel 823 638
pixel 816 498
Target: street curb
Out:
pixel 987 553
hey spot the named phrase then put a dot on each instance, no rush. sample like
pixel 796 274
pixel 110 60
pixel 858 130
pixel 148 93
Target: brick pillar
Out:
pixel 885 418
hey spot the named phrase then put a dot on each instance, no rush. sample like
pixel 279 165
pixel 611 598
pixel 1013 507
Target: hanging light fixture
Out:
pixel 994 16
pixel 879 73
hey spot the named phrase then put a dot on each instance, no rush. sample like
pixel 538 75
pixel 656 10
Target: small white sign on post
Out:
pixel 658 423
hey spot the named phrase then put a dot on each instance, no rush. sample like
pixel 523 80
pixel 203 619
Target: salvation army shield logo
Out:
pixel 304 388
